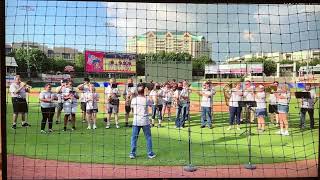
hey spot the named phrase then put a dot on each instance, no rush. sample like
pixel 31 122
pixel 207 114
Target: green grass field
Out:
pixel 215 146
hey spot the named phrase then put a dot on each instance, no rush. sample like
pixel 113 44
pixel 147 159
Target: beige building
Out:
pixel 65 52
pixel 156 41
pixel 279 56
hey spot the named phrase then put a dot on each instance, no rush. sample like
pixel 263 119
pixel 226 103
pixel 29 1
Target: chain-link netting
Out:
pixel 222 90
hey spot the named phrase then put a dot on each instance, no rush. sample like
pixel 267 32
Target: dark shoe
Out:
pixel 57 122
pixel 25 124
pixel 105 119
pixel 14 126
pixel 152 125
pixel 65 129
pixel 202 126
pixel 159 125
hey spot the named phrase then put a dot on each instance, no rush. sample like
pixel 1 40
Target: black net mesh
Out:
pixel 221 55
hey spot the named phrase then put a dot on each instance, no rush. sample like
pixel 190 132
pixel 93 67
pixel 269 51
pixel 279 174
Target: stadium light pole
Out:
pixel 27 8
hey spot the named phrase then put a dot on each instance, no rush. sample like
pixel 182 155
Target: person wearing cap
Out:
pixel 261 109
pixel 19 90
pixel 83 88
pixel 307 105
pixel 59 91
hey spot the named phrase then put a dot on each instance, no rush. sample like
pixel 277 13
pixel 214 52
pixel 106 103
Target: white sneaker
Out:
pixel 108 126
pixel 94 127
pixel 229 128
pixel 117 126
pixel 238 128
pixel 43 131
pixel 89 127
pixel 279 132
pixel 285 133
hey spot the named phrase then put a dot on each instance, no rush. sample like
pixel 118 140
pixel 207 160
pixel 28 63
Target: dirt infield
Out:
pixel 20 167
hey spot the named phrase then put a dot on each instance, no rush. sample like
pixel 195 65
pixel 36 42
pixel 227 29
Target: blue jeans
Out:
pixel 181 114
pixel 134 139
pixel 157 110
pixel 235 113
pixel 204 112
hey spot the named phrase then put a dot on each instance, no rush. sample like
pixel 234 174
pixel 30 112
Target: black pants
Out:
pixel 47 114
pixel 303 113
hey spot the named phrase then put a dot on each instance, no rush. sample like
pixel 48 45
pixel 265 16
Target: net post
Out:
pixel 189 167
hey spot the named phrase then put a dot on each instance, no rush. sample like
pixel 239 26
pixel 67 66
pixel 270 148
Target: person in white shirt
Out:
pixel 156 95
pixel 307 105
pixel 206 105
pixel 83 88
pixel 140 105
pixel 248 95
pixel 283 98
pixel 128 93
pixel 181 96
pixel 273 105
pixel 234 109
pixel 91 98
pixel 47 107
pixel 70 103
pixel 167 100
pixel 261 109
pixel 19 92
pixel 112 95
pixel 60 90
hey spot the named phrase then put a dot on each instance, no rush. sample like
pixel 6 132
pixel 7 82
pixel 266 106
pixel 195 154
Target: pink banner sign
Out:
pixel 94 61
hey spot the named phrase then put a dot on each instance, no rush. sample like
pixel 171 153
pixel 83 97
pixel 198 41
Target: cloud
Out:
pixel 248 36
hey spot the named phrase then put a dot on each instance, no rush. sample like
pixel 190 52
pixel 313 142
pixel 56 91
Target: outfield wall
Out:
pixel 163 72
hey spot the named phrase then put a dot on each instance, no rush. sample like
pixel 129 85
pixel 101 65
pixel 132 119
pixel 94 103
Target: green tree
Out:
pixel 269 66
pixel 79 62
pixel 37 60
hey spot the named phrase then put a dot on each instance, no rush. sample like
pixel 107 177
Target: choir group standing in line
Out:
pixel 161 98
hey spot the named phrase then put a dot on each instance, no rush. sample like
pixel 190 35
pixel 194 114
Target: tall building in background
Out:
pixel 156 41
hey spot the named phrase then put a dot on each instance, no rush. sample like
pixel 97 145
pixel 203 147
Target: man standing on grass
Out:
pixel 139 105
pixel 308 106
pixel 206 103
pixel 19 92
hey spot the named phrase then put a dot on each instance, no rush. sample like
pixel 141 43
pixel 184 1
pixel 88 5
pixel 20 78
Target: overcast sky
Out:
pixel 233 29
